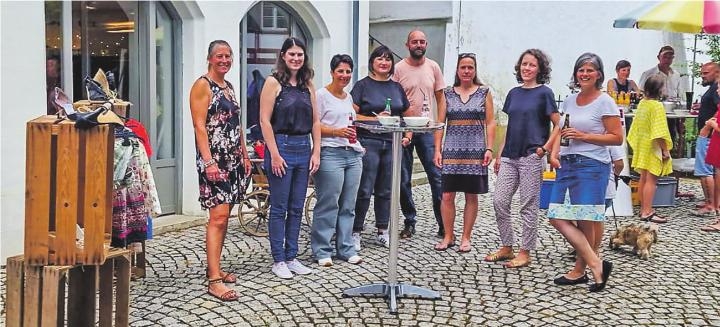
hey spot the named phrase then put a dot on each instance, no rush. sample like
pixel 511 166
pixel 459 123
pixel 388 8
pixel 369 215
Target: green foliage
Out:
pixel 713 51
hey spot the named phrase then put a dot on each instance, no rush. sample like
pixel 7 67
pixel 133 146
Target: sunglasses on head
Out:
pixel 466 55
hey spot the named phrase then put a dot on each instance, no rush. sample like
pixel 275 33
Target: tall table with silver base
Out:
pixel 391 289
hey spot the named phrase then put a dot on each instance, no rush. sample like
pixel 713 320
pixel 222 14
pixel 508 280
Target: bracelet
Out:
pixel 491 151
pixel 209 163
pixel 545 151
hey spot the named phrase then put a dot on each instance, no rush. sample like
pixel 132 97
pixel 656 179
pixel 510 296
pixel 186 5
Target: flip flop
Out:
pixel 439 247
pixel 710 229
pixel 464 248
pixel 515 264
pixel 653 217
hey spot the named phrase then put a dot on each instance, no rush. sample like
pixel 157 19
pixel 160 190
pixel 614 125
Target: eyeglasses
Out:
pixel 466 55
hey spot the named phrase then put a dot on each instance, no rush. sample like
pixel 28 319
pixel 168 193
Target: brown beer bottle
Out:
pixel 564 141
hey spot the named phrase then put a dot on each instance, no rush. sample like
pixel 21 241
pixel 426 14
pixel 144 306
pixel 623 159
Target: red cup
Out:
pixel 353 139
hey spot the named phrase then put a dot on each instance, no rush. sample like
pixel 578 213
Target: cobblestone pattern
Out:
pixel 677 286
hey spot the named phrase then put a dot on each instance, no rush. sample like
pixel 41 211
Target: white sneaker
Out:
pixel 356 260
pixel 281 270
pixel 384 238
pixel 356 241
pixel 298 268
pixel 325 262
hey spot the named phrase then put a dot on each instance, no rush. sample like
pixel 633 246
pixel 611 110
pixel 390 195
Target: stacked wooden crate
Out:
pixel 69 175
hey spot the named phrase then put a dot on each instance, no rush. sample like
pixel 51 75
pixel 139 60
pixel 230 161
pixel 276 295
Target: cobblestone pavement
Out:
pixel 677 286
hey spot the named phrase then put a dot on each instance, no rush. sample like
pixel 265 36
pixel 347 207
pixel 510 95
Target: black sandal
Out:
pixel 654 218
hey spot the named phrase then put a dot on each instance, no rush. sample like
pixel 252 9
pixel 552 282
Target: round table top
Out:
pixel 376 127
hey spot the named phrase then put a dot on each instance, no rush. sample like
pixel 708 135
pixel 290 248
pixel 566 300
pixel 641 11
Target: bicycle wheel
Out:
pixel 253 213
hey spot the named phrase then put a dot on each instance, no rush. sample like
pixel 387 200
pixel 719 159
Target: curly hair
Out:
pixel 304 74
pixel 543 76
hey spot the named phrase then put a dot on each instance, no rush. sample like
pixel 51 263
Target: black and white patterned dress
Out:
pixel 224 135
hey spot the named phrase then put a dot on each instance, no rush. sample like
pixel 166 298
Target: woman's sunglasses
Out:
pixel 466 55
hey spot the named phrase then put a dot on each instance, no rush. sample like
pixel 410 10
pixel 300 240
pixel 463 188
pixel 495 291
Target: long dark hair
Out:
pixel 462 56
pixel 281 71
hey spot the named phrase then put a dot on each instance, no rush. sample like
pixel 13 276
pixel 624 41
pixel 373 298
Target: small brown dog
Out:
pixel 641 237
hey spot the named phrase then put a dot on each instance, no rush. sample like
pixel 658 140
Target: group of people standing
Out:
pixel 309 132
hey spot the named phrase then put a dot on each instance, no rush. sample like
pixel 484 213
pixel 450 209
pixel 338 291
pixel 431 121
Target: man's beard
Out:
pixel 706 83
pixel 417 53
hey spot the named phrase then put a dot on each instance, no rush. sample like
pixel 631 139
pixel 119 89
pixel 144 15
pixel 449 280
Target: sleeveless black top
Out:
pixel 292 113
pixel 622 88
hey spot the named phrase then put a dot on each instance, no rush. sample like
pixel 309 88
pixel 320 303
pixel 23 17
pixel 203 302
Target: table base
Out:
pixel 392 293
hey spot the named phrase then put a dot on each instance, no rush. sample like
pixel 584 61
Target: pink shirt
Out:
pixel 418 82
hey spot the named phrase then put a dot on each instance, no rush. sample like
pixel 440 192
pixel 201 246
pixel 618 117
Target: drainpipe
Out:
pixel 355 35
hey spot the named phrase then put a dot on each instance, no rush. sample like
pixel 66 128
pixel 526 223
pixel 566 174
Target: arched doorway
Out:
pixel 262 31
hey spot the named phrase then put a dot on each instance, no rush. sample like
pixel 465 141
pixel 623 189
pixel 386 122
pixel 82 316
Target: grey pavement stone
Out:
pixel 676 286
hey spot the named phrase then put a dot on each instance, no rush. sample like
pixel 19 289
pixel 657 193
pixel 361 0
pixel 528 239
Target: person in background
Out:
pixel 52 80
pixel 709 102
pixel 288 117
pixel 622 83
pixel 369 97
pixel 222 160
pixel 530 108
pixel 338 179
pixel 713 158
pixel 649 138
pixel 467 148
pixel 583 167
pixel 422 79
pixel 674 88
pixel 253 105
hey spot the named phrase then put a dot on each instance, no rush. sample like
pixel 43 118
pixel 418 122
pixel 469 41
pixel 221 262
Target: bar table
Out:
pixel 391 289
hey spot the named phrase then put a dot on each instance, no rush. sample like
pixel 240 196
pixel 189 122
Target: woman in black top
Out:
pixel 369 95
pixel 287 117
pixel 622 83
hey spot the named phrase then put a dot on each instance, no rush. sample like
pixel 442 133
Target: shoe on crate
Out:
pixel 281 270
pixel 356 238
pixel 298 268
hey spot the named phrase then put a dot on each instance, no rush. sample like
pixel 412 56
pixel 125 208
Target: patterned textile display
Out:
pixel 464 147
pixel 134 194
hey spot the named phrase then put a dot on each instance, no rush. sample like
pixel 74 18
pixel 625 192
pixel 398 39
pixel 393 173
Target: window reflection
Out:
pixel 53 50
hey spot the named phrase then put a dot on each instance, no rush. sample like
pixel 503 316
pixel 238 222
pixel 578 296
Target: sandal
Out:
pixel 653 217
pixel 444 246
pixel 229 278
pixel 515 263
pixel 710 228
pixel 464 248
pixel 495 257
pixel 228 296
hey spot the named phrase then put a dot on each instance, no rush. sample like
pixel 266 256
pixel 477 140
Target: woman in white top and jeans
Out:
pixel 338 179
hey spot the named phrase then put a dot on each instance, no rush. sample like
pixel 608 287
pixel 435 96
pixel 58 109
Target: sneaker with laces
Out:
pixel 297 267
pixel 356 260
pixel 384 237
pixel 408 231
pixel 325 262
pixel 281 270
pixel 356 241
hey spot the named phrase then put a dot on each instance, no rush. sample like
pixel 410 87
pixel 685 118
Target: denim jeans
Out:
pixel 377 178
pixel 287 195
pixel 425 145
pixel 336 186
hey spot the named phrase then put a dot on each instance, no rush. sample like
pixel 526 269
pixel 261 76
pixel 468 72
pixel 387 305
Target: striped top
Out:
pixel 464 145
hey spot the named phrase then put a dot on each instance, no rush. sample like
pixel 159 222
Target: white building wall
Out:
pixel 22 58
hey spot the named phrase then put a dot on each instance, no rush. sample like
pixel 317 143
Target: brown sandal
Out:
pixel 495 257
pixel 228 296
pixel 229 278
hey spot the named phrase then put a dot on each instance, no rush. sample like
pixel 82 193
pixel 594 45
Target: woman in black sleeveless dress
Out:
pixel 287 118
pixel 222 160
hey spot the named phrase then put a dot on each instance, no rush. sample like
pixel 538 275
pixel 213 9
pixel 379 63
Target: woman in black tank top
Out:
pixel 622 83
pixel 287 118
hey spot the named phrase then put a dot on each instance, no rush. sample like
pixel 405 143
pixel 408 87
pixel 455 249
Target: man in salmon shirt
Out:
pixel 422 80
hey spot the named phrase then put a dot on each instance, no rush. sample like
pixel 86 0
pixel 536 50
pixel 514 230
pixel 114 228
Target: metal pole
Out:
pixel 394 203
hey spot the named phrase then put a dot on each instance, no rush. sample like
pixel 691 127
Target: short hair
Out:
pixel 622 64
pixel 340 59
pixel 543 76
pixel 654 86
pixel 713 64
pixel 666 48
pixel 593 59
pixel 381 51
pixel 413 31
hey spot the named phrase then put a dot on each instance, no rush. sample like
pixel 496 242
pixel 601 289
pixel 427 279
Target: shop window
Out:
pixel 53 50
pixel 164 83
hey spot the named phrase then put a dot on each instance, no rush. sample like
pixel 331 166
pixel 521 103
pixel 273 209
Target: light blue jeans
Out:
pixel 336 187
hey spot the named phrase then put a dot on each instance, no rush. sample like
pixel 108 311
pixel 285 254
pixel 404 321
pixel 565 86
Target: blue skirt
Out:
pixel 579 189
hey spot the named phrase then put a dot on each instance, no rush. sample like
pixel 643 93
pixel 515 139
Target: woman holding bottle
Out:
pixel 582 160
pixel 338 179
pixel 373 95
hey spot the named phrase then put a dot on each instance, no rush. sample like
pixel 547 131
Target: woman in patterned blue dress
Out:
pixel 466 151
pixel 222 160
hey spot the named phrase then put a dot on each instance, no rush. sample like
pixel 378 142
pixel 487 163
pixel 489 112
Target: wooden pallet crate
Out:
pixel 68 183
pixel 37 296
